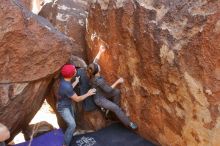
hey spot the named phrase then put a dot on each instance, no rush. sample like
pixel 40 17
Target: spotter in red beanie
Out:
pixel 68 71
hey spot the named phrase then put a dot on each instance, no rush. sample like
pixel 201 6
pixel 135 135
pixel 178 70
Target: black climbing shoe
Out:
pixel 133 126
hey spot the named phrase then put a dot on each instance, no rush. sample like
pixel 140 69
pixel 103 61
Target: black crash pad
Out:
pixel 113 135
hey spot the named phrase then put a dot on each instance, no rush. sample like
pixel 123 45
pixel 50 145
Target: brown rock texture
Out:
pixel 168 51
pixel 69 17
pixel 20 102
pixel 27 3
pixel 26 41
pixel 31 52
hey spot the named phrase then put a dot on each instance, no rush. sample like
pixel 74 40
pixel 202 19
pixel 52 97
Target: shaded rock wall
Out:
pixel 31 51
pixel 169 53
pixel 69 17
pixel 20 102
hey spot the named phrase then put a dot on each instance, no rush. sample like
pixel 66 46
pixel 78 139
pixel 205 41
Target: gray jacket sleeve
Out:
pixel 103 85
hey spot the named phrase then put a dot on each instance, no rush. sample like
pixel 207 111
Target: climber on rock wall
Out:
pixel 104 92
pixel 64 102
pixel 4 134
pixel 84 85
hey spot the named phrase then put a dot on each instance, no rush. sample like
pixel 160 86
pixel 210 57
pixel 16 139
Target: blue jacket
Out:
pixel 84 86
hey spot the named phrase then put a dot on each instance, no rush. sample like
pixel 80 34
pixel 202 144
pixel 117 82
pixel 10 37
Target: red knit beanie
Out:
pixel 68 71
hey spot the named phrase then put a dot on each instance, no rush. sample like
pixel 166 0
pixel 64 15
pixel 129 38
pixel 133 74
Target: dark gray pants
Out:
pixel 113 106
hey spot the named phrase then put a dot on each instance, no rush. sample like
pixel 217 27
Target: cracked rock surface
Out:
pixel 168 51
pixel 31 51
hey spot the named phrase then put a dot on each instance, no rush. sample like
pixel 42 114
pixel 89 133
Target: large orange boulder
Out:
pixel 169 54
pixel 31 51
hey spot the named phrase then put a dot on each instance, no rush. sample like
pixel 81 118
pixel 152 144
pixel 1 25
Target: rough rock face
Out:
pixel 27 3
pixel 20 102
pixel 31 52
pixel 26 41
pixel 169 54
pixel 69 17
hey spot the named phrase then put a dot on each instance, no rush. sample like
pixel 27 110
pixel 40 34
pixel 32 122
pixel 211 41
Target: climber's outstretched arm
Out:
pixel 101 50
pixel 119 81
